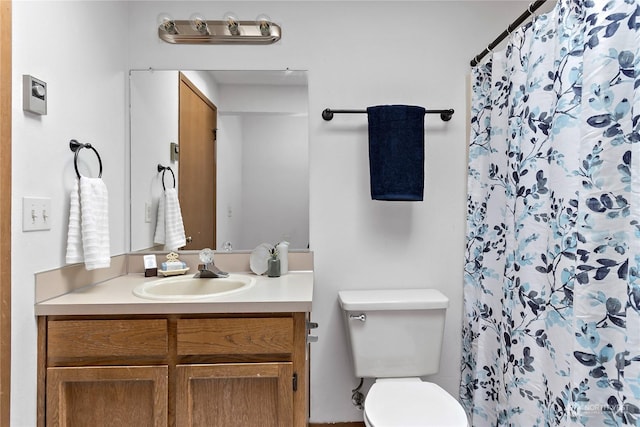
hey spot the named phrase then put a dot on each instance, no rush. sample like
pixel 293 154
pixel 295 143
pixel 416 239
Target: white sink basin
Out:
pixel 188 287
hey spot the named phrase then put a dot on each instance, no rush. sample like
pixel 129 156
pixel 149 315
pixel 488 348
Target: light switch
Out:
pixel 36 213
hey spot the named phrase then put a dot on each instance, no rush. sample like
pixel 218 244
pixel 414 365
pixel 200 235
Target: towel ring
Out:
pixel 75 146
pixel 163 169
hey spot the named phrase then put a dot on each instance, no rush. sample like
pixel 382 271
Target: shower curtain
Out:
pixel 551 328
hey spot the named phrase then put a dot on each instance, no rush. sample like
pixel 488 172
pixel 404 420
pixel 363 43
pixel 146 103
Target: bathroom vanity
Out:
pixel 234 360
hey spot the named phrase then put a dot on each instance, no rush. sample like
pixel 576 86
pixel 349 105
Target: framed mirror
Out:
pixel 237 145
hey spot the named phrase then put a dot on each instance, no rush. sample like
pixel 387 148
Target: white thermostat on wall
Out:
pixel 34 95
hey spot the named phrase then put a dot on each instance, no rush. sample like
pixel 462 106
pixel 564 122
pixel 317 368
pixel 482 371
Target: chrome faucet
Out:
pixel 208 270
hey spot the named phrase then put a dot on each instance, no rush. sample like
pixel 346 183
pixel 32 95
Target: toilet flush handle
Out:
pixel 361 317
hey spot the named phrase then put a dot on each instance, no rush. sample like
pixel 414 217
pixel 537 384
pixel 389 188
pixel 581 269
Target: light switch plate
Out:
pixel 36 213
pixel 147 212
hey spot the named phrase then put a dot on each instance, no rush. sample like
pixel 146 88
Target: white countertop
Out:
pixel 292 292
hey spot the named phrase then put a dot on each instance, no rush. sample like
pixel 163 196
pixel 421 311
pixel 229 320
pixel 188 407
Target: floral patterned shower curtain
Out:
pixel 551 333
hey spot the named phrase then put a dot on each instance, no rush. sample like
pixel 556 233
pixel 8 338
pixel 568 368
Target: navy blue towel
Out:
pixel 396 152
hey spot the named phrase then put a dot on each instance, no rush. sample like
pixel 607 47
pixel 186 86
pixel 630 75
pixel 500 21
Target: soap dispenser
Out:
pixel 283 255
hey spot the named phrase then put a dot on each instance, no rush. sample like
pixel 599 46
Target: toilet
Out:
pixel 395 336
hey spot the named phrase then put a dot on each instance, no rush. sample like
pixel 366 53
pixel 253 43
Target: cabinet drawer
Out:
pixel 74 339
pixel 235 336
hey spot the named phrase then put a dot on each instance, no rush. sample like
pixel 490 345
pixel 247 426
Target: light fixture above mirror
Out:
pixel 230 30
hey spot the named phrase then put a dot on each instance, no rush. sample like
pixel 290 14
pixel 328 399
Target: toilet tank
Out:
pixel 394 333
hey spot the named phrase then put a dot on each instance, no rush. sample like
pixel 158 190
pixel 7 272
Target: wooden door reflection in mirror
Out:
pixel 197 171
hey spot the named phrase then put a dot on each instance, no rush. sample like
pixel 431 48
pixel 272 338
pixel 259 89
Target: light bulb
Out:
pixel 232 23
pixel 199 23
pixel 166 22
pixel 264 23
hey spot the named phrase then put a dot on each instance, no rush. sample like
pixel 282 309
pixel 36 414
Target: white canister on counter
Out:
pixel 283 255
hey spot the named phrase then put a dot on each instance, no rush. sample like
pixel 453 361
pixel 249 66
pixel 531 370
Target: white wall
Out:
pixel 275 197
pixel 154 104
pixel 229 192
pixel 85 67
pixel 358 54
pixel 272 141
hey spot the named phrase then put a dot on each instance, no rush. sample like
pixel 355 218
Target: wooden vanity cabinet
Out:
pixel 175 370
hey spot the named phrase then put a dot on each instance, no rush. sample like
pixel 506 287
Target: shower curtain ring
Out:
pixel 532 12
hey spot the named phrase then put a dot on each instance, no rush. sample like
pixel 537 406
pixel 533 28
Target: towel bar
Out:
pixel 328 113
pixel 75 146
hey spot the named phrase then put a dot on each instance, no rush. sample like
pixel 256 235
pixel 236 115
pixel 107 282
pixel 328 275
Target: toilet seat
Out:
pixel 402 403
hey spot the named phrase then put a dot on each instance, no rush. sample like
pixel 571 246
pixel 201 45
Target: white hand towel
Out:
pixel 94 210
pixel 88 234
pixel 74 235
pixel 170 228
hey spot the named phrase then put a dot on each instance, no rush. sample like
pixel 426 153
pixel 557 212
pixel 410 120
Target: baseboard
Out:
pixel 348 424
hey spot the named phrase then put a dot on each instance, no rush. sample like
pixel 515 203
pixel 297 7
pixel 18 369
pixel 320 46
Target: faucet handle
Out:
pixel 206 256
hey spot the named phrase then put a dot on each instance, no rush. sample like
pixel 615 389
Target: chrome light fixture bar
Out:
pixel 219 32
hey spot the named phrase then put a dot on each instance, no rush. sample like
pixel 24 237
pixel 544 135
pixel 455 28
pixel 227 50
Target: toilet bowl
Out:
pixel 410 402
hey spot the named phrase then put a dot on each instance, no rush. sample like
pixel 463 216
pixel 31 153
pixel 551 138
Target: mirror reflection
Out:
pixel 237 144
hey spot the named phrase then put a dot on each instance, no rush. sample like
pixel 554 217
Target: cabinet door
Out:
pixel 107 396
pixel 235 395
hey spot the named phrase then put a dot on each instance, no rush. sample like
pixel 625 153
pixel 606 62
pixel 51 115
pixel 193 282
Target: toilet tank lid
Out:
pixel 392 299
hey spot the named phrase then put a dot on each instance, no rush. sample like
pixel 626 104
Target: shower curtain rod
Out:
pixel 514 25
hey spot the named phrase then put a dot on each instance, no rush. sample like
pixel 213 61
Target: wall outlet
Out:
pixel 36 213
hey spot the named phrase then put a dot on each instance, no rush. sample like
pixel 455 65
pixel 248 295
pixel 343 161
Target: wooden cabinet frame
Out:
pixel 263 350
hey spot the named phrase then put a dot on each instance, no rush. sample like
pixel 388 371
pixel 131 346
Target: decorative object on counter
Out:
pixel 283 256
pixel 169 225
pixel 88 233
pixel 173 266
pixel 259 257
pixel 230 30
pixel 273 263
pixel 227 246
pixel 150 266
